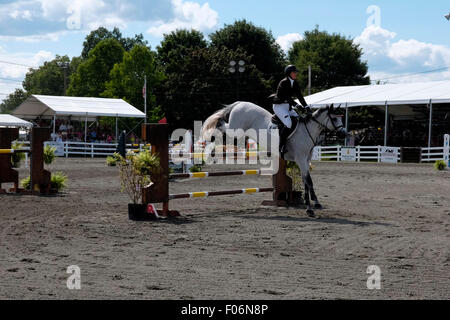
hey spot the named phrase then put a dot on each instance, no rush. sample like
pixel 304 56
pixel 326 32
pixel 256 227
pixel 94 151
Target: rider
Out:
pixel 283 101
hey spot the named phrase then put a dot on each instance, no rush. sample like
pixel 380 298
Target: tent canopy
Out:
pixel 47 107
pixel 376 95
pixel 7 120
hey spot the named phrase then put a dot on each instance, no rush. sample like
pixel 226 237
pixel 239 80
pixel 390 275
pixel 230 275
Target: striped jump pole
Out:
pixel 214 174
pixel 11 151
pixel 247 154
pixel 205 194
pixel 158 136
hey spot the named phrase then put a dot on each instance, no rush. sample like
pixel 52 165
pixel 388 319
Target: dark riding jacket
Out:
pixel 287 93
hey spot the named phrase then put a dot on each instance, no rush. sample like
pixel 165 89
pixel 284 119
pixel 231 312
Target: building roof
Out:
pixel 392 94
pixel 76 107
pixel 7 120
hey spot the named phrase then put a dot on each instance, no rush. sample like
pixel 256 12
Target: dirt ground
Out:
pixel 396 217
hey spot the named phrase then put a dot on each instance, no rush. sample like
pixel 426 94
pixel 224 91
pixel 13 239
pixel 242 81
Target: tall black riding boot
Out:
pixel 283 136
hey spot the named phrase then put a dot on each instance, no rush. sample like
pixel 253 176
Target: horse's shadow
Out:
pixel 248 214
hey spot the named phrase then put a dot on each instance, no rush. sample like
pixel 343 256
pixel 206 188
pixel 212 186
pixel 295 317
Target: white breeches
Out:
pixel 283 113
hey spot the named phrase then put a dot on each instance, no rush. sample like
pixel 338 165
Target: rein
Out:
pixel 322 128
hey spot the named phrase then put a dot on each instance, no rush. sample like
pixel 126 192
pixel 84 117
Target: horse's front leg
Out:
pixel 304 167
pixel 317 205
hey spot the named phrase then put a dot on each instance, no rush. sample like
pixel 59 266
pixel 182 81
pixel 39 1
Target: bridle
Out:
pixel 323 127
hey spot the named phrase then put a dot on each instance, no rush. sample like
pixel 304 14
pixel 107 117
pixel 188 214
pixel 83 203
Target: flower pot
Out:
pixel 137 212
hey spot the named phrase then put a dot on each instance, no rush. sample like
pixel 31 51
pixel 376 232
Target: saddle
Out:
pixel 276 123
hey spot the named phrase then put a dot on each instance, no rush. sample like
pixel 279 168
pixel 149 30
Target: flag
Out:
pixel 144 90
pixel 163 120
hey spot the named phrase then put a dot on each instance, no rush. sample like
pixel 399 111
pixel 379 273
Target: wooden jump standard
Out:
pixel 158 136
pixel 39 178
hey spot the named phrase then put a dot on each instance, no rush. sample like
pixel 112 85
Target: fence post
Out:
pixel 378 153
pixel 338 153
pixel 92 150
pixel 358 152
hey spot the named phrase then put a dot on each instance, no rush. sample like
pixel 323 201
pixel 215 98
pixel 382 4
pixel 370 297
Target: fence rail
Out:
pixel 320 153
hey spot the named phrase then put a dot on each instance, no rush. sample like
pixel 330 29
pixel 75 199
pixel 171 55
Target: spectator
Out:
pixel 63 127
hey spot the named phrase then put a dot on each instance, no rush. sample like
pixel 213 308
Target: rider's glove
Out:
pixel 308 109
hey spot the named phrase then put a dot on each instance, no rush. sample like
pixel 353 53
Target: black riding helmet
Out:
pixel 290 68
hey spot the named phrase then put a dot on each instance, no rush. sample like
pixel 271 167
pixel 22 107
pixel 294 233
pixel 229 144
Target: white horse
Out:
pixel 300 144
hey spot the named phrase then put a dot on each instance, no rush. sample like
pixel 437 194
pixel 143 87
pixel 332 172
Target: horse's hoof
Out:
pixel 318 206
pixel 310 213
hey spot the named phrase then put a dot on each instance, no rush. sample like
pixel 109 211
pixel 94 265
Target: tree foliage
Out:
pixel 13 100
pixel 334 59
pixel 48 79
pixel 258 43
pixel 128 77
pixel 175 46
pixel 204 84
pixel 92 74
pixel 93 38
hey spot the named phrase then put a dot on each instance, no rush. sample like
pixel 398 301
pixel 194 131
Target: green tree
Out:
pixel 13 101
pixel 204 84
pixel 93 38
pixel 127 78
pixel 335 60
pixel 92 74
pixel 175 46
pixel 257 42
pixel 48 79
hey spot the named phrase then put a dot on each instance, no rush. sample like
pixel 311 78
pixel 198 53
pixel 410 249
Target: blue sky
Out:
pixel 398 37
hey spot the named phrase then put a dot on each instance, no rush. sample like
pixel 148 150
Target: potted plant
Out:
pixel 137 171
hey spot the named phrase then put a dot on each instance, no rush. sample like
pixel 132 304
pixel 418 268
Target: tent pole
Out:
pixel 386 116
pixel 346 121
pixel 117 130
pixel 54 127
pixel 430 126
pixel 85 130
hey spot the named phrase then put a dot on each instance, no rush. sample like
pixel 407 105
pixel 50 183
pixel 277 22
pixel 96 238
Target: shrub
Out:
pixel 440 165
pixel 17 158
pixel 195 168
pixel 25 182
pixel 49 154
pixel 112 160
pixel 58 181
pixel 294 172
pixel 137 172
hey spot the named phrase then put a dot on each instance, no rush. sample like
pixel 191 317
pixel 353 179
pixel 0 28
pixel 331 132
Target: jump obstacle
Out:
pixel 157 135
pixel 40 179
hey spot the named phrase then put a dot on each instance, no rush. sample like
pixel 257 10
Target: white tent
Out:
pixel 77 108
pixel 46 107
pixel 386 95
pixel 7 120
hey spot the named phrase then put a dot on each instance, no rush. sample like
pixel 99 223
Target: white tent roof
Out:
pixel 77 107
pixel 7 120
pixel 393 94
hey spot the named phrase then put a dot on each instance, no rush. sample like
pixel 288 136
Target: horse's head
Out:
pixel 331 118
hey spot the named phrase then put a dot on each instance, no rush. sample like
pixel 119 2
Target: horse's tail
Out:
pixel 216 121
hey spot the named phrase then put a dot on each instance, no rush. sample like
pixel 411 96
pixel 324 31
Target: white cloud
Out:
pixel 419 53
pixel 389 58
pixel 35 38
pixel 17 69
pixel 187 15
pixel 287 40
pixel 375 40
pixel 35 20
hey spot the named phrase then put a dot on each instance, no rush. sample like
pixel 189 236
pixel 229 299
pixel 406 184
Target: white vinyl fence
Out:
pixel 320 153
